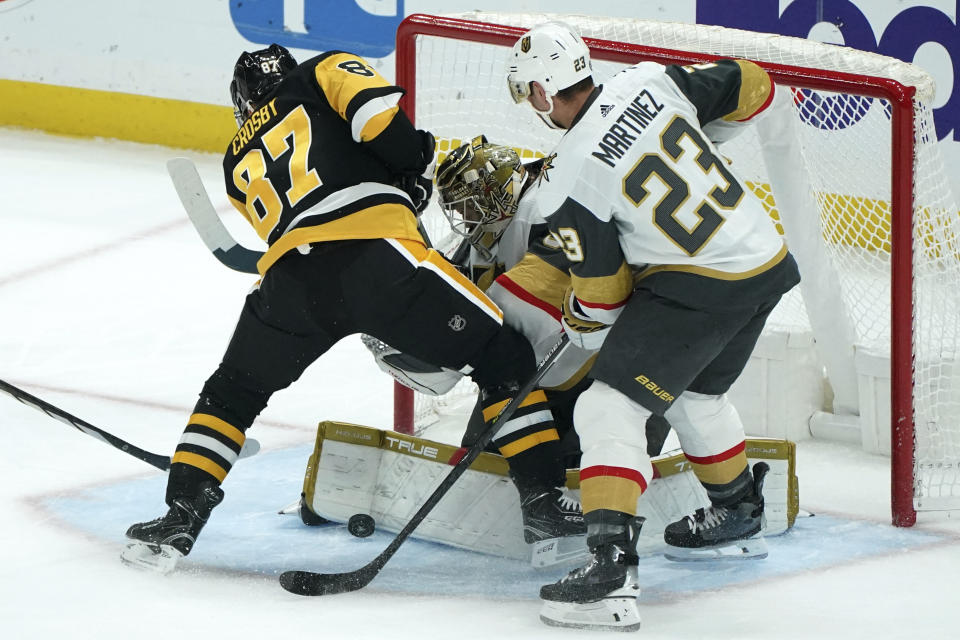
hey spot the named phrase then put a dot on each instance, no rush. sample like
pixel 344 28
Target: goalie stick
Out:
pixel 308 583
pixel 250 446
pixel 196 202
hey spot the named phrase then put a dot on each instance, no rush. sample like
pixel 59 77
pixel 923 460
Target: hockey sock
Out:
pixel 215 433
pixel 731 493
pixel 605 526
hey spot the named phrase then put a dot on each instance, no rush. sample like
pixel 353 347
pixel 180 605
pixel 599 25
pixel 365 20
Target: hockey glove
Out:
pixel 583 332
pixel 410 371
pixel 420 187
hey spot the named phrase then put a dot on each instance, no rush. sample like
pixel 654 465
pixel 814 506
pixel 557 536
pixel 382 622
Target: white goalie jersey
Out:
pixel 525 274
pixel 530 290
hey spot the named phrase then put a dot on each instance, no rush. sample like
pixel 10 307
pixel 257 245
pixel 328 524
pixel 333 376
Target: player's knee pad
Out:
pixel 614 467
pixel 506 359
pixel 603 415
pixel 234 396
pixel 705 424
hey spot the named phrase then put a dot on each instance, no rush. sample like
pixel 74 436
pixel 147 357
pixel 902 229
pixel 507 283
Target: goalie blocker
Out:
pixel 360 470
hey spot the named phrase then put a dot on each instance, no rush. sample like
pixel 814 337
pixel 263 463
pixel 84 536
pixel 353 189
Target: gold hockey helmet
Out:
pixel 478 186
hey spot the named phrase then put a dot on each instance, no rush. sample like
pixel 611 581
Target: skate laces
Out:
pixel 704 519
pixel 581 572
pixel 567 501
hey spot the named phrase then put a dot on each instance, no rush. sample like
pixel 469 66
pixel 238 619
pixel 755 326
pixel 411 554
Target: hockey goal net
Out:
pixel 849 169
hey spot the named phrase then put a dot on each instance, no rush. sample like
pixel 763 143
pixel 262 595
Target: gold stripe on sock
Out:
pixel 204 464
pixel 528 442
pixel 218 425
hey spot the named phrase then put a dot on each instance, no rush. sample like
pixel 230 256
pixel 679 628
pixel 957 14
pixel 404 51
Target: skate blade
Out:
pixel 751 548
pixel 555 551
pixel 150 557
pixel 613 613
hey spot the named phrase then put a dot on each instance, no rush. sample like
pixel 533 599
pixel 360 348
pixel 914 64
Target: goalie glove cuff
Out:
pixel 410 371
pixel 583 332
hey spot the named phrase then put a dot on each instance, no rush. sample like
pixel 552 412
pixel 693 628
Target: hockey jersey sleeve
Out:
pixel 727 94
pixel 370 104
pixel 601 278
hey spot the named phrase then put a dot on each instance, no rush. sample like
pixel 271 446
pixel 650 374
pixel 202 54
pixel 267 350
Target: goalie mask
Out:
pixel 551 55
pixel 255 75
pixel 479 188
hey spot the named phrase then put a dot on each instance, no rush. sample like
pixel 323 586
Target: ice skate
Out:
pixel 603 593
pixel 729 532
pixel 553 525
pixel 159 544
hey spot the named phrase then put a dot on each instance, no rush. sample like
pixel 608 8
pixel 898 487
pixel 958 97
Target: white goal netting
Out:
pixel 832 170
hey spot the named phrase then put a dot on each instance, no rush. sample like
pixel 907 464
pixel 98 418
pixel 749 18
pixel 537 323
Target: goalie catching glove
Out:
pixel 409 371
pixel 582 331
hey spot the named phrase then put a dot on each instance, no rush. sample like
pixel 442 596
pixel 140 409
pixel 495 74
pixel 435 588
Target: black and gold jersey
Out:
pixel 318 160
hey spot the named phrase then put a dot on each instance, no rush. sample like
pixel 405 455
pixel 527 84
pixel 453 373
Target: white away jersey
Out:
pixel 636 185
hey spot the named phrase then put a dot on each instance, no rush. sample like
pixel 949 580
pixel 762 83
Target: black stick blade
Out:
pixel 308 583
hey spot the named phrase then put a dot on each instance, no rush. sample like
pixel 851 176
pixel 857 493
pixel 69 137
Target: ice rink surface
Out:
pixel 112 308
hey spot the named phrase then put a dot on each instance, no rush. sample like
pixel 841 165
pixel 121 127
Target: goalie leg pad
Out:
pixel 358 469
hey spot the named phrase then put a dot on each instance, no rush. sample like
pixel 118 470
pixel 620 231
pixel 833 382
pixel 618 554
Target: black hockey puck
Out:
pixel 361 525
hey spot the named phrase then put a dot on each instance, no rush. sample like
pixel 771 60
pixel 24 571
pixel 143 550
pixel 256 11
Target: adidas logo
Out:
pixel 605 109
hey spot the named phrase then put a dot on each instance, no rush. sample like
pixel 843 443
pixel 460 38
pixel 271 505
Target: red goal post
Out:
pixel 453 68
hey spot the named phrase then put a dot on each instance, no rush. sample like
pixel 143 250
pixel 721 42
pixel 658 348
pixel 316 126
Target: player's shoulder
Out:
pixel 561 168
pixel 640 73
pixel 526 211
pixel 562 177
pixel 646 68
pixel 331 60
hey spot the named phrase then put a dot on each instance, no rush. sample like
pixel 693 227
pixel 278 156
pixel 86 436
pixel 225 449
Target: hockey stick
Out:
pixel 221 243
pixel 308 583
pixel 250 447
pixel 196 202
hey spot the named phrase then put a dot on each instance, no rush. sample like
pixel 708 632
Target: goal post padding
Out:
pixel 847 166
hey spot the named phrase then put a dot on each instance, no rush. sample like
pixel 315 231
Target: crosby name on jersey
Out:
pixel 298 176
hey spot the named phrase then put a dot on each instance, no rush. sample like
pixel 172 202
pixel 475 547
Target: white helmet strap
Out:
pixel 545 115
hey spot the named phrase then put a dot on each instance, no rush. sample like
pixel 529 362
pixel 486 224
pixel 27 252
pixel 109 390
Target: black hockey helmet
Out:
pixel 255 74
